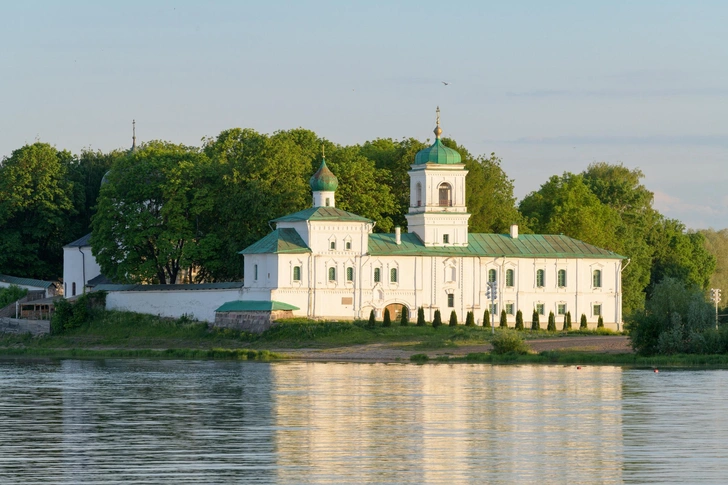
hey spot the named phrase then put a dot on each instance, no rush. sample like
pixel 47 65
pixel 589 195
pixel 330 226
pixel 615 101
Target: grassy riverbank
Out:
pixel 126 334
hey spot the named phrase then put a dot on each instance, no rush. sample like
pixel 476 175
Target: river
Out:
pixel 204 422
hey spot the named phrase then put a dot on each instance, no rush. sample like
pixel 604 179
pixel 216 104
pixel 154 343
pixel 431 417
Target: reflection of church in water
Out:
pixel 327 263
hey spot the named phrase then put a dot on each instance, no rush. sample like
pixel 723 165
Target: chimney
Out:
pixel 514 231
pixel 397 235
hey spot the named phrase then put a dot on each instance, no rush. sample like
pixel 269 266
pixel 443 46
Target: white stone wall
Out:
pixel 197 304
pixel 73 269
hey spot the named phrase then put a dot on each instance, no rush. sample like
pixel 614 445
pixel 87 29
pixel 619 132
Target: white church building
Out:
pixel 326 263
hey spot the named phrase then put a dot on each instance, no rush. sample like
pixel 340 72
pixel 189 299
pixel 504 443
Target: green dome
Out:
pixel 437 153
pixel 324 180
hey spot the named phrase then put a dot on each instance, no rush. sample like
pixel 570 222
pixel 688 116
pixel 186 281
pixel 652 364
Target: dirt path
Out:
pixel 394 352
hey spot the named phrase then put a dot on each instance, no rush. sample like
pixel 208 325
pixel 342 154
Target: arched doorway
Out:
pixel 395 311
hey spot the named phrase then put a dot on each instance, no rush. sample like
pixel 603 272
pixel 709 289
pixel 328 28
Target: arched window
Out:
pixel 73 289
pixel 510 278
pixel 562 278
pixel 597 278
pixel 377 275
pixel 540 278
pixel 296 273
pixel 418 194
pixel 332 274
pixel 349 274
pixel 445 195
pixel 393 275
pixel 491 276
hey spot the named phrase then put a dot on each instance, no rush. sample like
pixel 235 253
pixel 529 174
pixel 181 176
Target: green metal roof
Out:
pixel 255 306
pixel 229 285
pixel 437 153
pixel 324 179
pixel 81 242
pixel 14 280
pixel 525 246
pixel 285 240
pixel 322 214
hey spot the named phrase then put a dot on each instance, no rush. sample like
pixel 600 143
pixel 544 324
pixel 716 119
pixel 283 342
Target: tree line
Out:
pixel 169 213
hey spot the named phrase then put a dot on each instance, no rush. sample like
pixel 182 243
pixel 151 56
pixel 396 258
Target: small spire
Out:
pixel 323 151
pixel 438 130
pixel 133 135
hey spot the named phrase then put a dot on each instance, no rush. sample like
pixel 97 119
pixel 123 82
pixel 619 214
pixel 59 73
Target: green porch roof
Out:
pixel 286 240
pixel 491 245
pixel 255 306
pixel 322 214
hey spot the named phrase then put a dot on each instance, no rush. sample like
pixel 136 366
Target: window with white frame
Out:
pixel 540 309
pixel 597 309
pixel 349 274
pixel 296 273
pixel 510 278
pixel 393 275
pixel 332 273
pixel 450 300
pixel 561 276
pixel 561 309
pixel 540 278
pixel 597 278
pixel 492 275
pixel 377 275
pixel 509 308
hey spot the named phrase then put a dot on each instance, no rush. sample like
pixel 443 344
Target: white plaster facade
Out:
pixel 79 266
pixel 340 269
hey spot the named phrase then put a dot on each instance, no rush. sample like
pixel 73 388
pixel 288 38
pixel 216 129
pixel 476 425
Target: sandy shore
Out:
pixel 398 352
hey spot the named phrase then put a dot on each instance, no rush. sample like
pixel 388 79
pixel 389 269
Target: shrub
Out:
pixel 420 317
pixel 372 321
pixel 567 321
pixel 69 315
pixel 600 322
pixel 11 294
pixel 509 341
pixel 437 320
pixel 519 320
pixel 503 319
pixel 552 322
pixel 404 318
pixel 486 319
pixel 582 322
pixel 535 325
pixel 470 320
pixel 453 319
pixel 387 320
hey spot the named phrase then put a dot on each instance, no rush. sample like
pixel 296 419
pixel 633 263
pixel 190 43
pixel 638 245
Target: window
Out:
pixel 332 274
pixel 597 310
pixel 296 273
pixel 491 276
pixel 450 300
pixel 446 239
pixel 328 202
pixel 419 194
pixel 493 309
pixel 73 289
pixel 509 308
pixel 393 275
pixel 562 278
pixel 540 278
pixel 255 272
pixel 350 274
pixel 510 277
pixel 561 309
pixel 540 308
pixel 333 244
pixel 597 278
pixel 348 245
pixel 445 195
pixel 377 275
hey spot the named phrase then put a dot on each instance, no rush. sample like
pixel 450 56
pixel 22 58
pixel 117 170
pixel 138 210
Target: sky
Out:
pixel 550 87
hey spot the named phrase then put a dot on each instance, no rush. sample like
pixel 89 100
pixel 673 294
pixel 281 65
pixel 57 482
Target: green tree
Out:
pixel 437 320
pixel 600 322
pixel 567 321
pixel 535 325
pixel 716 243
pixel 470 320
pixel 153 216
pixel 35 210
pixel 552 322
pixel 387 320
pixel 372 320
pixel 582 323
pixel 486 318
pixel 404 317
pixel 421 317
pixel 11 294
pixel 453 319
pixel 519 320
pixel 503 319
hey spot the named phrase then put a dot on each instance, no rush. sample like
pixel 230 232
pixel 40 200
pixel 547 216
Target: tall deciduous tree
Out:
pixel 35 207
pixel 152 215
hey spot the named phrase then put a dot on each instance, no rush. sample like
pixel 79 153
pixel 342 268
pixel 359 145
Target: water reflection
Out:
pixel 140 421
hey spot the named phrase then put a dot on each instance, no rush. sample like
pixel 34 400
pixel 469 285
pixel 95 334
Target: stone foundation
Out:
pixel 35 327
pixel 250 321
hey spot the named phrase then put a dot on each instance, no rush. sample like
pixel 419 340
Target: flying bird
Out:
pixel 446 84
